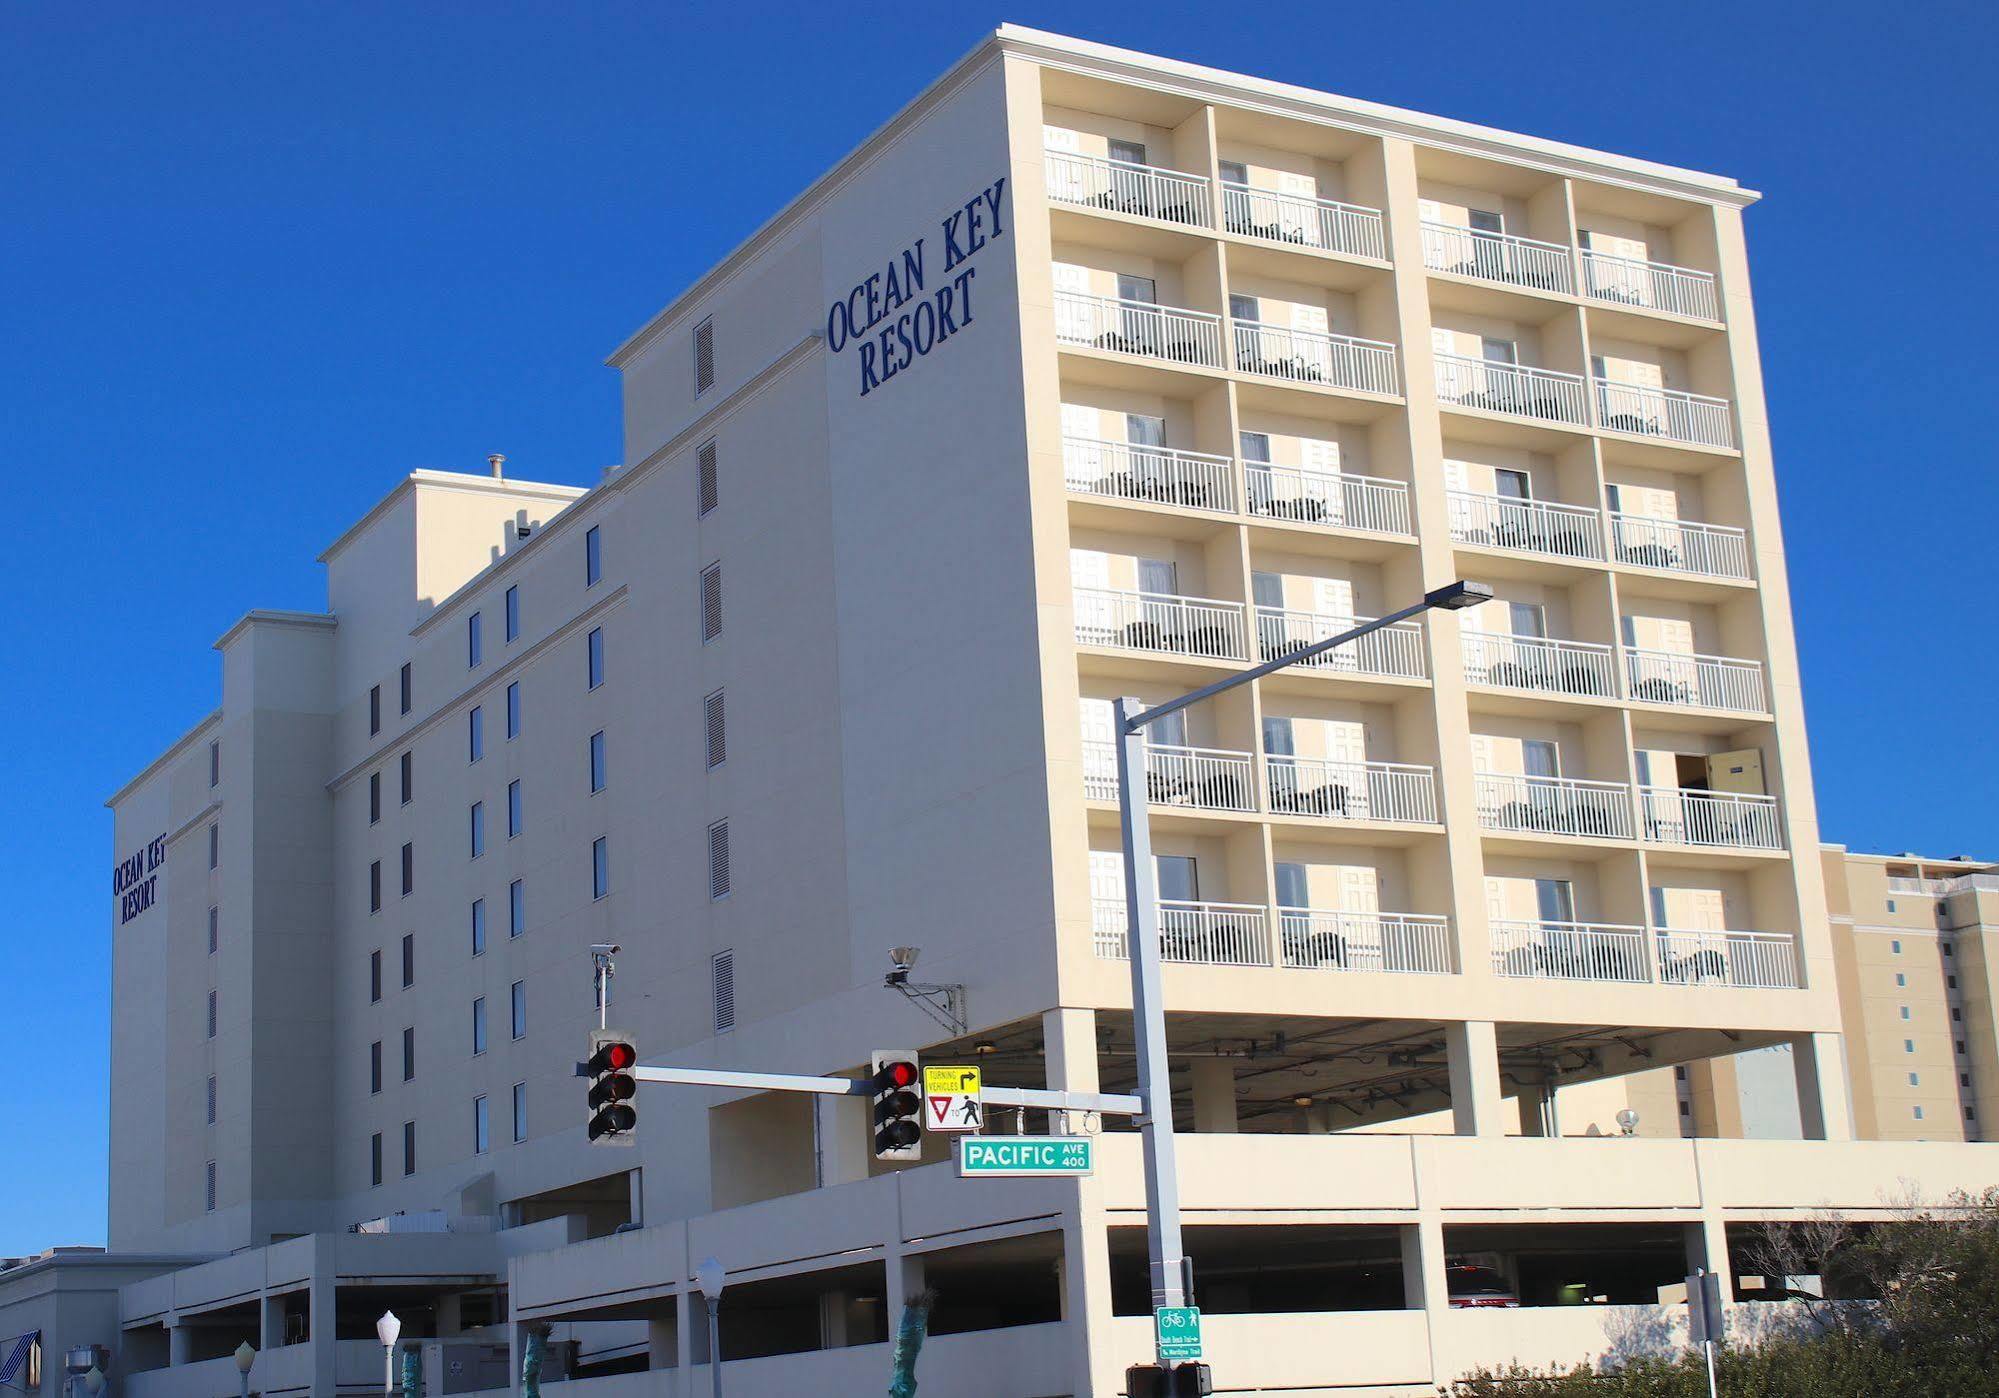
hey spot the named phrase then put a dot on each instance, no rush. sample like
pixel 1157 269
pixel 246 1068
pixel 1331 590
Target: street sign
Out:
pixel 1178 1332
pixel 951 1099
pixel 998 1156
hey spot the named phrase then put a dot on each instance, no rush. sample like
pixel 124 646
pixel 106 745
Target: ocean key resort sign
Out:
pixel 135 880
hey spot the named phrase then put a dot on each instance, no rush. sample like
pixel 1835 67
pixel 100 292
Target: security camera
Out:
pixel 605 948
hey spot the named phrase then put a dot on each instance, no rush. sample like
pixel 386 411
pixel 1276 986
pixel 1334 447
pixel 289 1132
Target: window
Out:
pixel 409 1054
pixel 1895 946
pixel 1950 982
pixel 517 916
pixel 1908 1046
pixel 209 1175
pixel 722 976
pixel 214 846
pixel 718 738
pixel 403 683
pixel 1970 1114
pixel 718 859
pixel 513 808
pixel 478 828
pixel 1960 1045
pixel 1901 979
pixel 374 797
pixel 596 652
pixel 215 763
pixel 518 1009
pixel 1905 1012
pixel 479 1025
pixel 1956 1016
pixel 211 1014
pixel 481 1143
pixel 1913 1080
pixel 1964 1080
pixel 472 647
pixel 374 710
pixel 1891 905
pixel 409 870
pixel 600 867
pixel 596 762
pixel 711 602
pixel 704 357
pixel 374 1067
pixel 375 976
pixel 211 1099
pixel 704 457
pixel 409 1148
pixel 520 1111
pixel 408 765
pixel 1919 1113
pixel 1946 948
pixel 513 711
pixel 478 926
pixel 409 960
pixel 513 613
pixel 214 928
pixel 475 734
pixel 375 1160
pixel 593 558
pixel 375 886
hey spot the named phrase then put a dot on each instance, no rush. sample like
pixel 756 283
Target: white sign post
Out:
pixel 1704 1318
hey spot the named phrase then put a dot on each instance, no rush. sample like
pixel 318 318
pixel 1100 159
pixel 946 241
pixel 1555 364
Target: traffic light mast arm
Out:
pixel 1110 1104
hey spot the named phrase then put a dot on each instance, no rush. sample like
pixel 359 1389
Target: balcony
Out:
pixel 1312 223
pixel 1532 526
pixel 1395 651
pixel 1664 412
pixel 1309 786
pixel 1497 257
pixel 1160 624
pixel 1413 943
pixel 1307 356
pixel 1205 779
pixel 1694 681
pixel 1139 328
pixel 1321 497
pixel 1709 819
pixel 1514 389
pixel 1754 960
pixel 1553 806
pixel 1159 475
pixel 1126 188
pixel 1533 663
pixel 1678 546
pixel 1197 934
pixel 1653 286
pixel 1570 951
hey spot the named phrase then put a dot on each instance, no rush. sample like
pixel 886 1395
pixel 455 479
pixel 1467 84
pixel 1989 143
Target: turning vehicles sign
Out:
pixel 951 1099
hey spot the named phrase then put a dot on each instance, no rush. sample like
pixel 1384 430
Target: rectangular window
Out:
pixel 409 960
pixel 478 926
pixel 593 557
pixel 1895 947
pixel 479 1025
pixel 481 1143
pixel 214 846
pixel 475 734
pixel 409 870
pixel 408 773
pixel 1901 979
pixel 600 867
pixel 596 653
pixel 209 1174
pixel 215 764
pixel 704 457
pixel 1919 1114
pixel 374 797
pixel 513 613
pixel 722 977
pixel 375 976
pixel 517 1004
pixel 711 602
pixel 596 761
pixel 718 737
pixel 409 1054
pixel 214 928
pixel 374 710
pixel 211 1014
pixel 718 859
pixel 513 808
pixel 513 711
pixel 472 647
pixel 704 357
pixel 1905 1012
pixel 517 914
pixel 403 683
pixel 1908 1046
pixel 211 1099
pixel 409 1148
pixel 478 828
pixel 374 1067
pixel 375 1160
pixel 375 886
pixel 1914 1080
pixel 520 1111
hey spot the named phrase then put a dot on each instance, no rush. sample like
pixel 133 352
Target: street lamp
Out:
pixel 388 1330
pixel 246 1355
pixel 1170 1273
pixel 711 1278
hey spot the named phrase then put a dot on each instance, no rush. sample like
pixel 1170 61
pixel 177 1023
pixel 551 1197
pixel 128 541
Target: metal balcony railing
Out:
pixel 1162 475
pixel 1310 786
pixel 1530 662
pixel 1657 286
pixel 1160 623
pixel 1553 806
pixel 1497 257
pixel 1200 934
pixel 1680 546
pixel 1664 412
pixel 1138 327
pixel 1513 389
pixel 1308 356
pixel 1208 779
pixel 1124 187
pixel 1694 681
pixel 1534 526
pixel 1762 960
pixel 1673 815
pixel 1394 650
pixel 1417 943
pixel 1570 951
pixel 1312 223
pixel 1323 497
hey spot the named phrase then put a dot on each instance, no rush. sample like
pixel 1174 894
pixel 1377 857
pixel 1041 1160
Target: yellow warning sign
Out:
pixel 950 1081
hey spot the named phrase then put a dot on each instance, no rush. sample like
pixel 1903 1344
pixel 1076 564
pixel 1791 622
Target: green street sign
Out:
pixel 996 1156
pixel 1178 1331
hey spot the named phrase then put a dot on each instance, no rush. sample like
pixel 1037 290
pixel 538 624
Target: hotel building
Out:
pixel 1091 374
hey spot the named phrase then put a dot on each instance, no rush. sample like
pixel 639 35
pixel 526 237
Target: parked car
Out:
pixel 1475 1287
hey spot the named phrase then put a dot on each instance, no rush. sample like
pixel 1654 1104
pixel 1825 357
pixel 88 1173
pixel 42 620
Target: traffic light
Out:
pixel 898 1106
pixel 614 1092
pixel 1161 1381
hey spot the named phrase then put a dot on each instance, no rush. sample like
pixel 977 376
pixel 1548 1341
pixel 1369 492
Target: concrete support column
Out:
pixel 1424 1285
pixel 635 1197
pixel 449 1322
pixel 690 1321
pixel 1707 1246
pixel 1069 1048
pixel 270 1323
pixel 1825 1105
pixel 319 1317
pixel 1537 1110
pixel 840 1139
pixel 1472 1046
pixel 833 1307
pixel 1214 1094
pixel 905 1279
pixel 1086 1295
pixel 180 1343
pixel 662 1342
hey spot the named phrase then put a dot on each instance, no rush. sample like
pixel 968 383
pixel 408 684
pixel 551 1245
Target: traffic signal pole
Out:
pixel 1105 1103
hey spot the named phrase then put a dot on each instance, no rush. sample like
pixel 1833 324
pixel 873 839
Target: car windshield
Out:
pixel 1477 1281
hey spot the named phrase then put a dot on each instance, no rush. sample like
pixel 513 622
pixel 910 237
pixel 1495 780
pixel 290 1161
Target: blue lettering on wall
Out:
pixel 135 880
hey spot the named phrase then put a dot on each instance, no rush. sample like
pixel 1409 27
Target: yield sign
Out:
pixel 952 1111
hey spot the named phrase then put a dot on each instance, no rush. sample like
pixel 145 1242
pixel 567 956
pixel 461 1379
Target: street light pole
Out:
pixel 388 1330
pixel 710 1276
pixel 1170 1274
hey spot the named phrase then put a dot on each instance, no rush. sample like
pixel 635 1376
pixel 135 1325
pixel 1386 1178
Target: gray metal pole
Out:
pixel 714 1345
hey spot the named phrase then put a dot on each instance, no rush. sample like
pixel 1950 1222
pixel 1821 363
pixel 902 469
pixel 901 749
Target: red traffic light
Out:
pixel 902 1074
pixel 614 1057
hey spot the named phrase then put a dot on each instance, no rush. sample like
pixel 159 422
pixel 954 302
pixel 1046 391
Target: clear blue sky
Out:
pixel 259 261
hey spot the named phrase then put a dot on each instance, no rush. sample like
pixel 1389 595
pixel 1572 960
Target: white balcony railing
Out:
pixel 1694 681
pixel 1327 497
pixel 1127 188
pixel 1680 546
pixel 1497 257
pixel 1308 356
pixel 1664 412
pixel 1514 389
pixel 1162 623
pixel 1138 327
pixel 1763 960
pixel 1535 526
pixel 1313 223
pixel 1200 934
pixel 1351 790
pixel 1554 805
pixel 1675 815
pixel 1531 662
pixel 1393 650
pixel 1570 951
pixel 1411 942
pixel 1658 286
pixel 1162 475
pixel 1208 779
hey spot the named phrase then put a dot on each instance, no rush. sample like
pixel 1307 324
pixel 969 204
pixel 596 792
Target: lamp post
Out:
pixel 711 1278
pixel 388 1330
pixel 246 1355
pixel 94 1381
pixel 1170 1273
